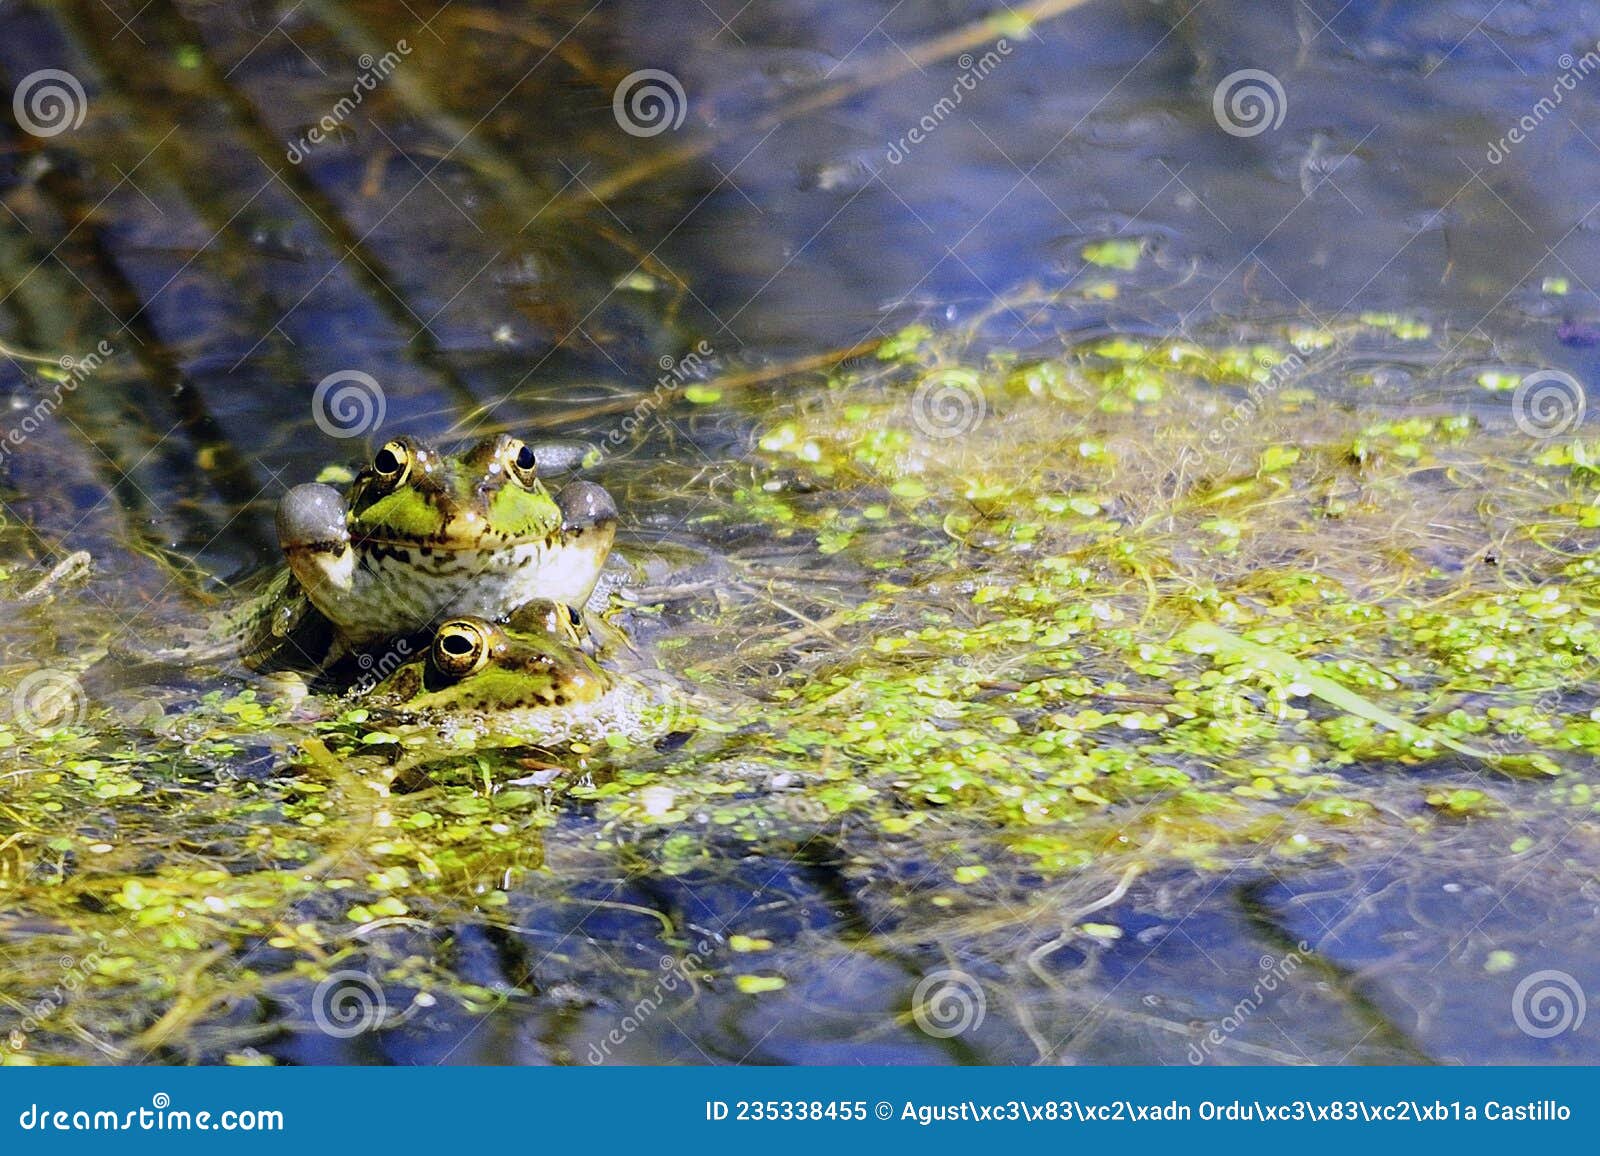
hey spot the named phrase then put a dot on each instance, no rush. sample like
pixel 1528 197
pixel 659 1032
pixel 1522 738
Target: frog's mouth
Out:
pixel 459 537
pixel 326 571
pixel 588 531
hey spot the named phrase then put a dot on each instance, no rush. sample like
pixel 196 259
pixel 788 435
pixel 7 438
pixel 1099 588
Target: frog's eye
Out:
pixel 392 464
pixel 520 462
pixel 460 647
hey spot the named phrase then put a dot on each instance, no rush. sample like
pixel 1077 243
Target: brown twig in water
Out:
pixel 727 382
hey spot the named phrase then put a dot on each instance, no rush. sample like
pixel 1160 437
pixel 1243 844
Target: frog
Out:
pixel 525 682
pixel 424 536
pixel 421 536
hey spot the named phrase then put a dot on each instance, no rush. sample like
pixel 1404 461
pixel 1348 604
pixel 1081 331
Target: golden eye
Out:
pixel 520 462
pixel 392 464
pixel 460 647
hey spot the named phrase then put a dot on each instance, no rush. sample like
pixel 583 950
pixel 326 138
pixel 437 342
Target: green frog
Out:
pixel 422 535
pixel 425 536
pixel 525 682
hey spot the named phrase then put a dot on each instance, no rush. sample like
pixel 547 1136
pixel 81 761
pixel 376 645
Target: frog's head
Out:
pixel 426 536
pixel 475 667
pixel 485 497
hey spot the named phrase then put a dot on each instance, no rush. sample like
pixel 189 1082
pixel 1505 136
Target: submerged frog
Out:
pixel 527 682
pixel 422 536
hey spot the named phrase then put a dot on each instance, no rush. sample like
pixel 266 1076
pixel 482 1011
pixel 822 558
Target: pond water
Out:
pixel 947 363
